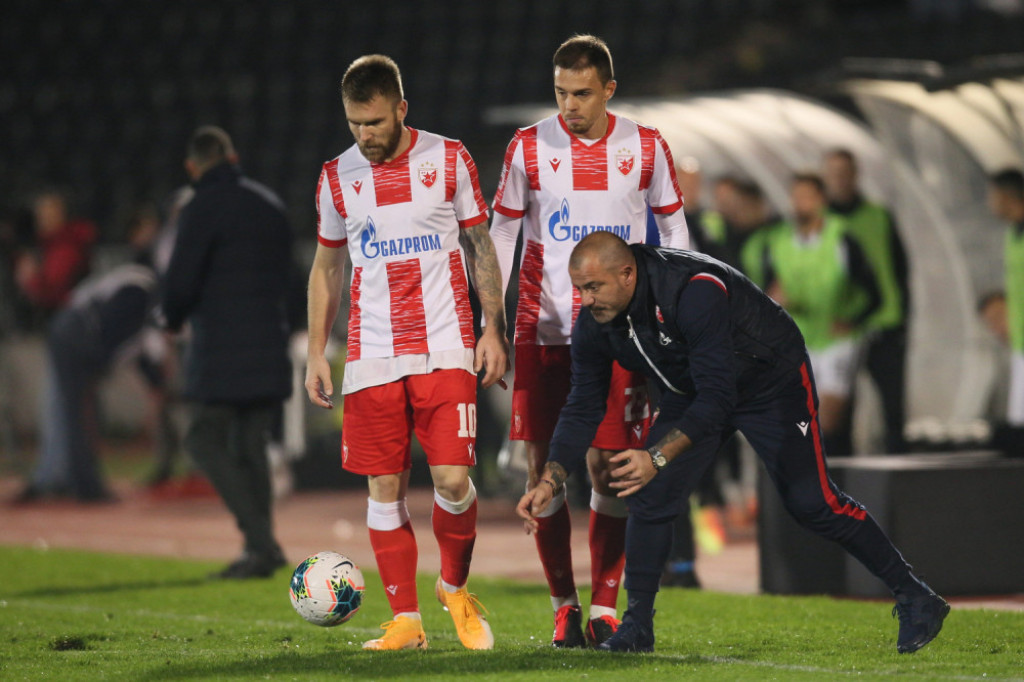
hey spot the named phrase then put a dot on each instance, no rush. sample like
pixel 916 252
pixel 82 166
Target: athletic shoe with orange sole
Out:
pixel 468 615
pixel 401 633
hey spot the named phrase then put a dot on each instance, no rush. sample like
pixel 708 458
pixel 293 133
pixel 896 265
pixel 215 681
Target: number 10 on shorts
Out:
pixel 467 420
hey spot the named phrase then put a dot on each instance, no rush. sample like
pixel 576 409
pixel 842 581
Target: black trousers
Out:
pixel 78 360
pixel 229 443
pixel 783 429
pixel 886 361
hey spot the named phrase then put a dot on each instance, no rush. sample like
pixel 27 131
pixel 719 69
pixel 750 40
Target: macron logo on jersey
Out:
pixel 395 247
pixel 561 228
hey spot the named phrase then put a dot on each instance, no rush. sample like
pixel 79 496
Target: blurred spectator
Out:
pixel 812 265
pixel 745 223
pixel 885 346
pixel 228 277
pixel 59 257
pixel 992 311
pixel 1006 200
pixel 102 323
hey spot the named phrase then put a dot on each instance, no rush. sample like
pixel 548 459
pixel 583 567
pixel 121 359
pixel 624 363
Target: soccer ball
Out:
pixel 326 589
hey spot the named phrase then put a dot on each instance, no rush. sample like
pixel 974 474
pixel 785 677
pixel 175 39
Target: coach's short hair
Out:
pixel 809 179
pixel 1010 181
pixel 582 51
pixel 370 76
pixel 210 145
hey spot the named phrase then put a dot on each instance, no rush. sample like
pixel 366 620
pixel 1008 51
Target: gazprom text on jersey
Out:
pixel 401 247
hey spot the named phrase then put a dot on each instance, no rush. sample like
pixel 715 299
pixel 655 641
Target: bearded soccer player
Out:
pixel 405 205
pixel 579 171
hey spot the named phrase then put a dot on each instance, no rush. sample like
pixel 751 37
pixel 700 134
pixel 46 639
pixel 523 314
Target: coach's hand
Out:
pixel 635 470
pixel 319 386
pixel 491 357
pixel 535 501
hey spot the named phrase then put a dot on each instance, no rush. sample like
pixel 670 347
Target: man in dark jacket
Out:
pixel 727 358
pixel 228 277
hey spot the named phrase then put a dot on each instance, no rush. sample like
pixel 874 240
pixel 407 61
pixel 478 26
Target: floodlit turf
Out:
pixel 86 616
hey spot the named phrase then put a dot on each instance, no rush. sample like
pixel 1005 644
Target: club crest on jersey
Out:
pixel 372 247
pixel 624 161
pixel 555 163
pixel 428 174
pixel 357 185
pixel 561 229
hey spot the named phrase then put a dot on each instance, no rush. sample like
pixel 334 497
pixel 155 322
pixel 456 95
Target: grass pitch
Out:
pixel 87 616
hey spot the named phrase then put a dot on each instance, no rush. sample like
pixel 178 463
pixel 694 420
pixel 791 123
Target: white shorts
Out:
pixel 834 367
pixel 1015 399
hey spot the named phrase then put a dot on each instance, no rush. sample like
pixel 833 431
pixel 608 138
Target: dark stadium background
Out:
pixel 99 96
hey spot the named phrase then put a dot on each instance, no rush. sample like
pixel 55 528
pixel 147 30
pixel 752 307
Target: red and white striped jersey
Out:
pixel 409 311
pixel 563 188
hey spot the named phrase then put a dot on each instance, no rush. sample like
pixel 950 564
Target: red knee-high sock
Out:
pixel 607 557
pixel 553 536
pixel 394 546
pixel 455 529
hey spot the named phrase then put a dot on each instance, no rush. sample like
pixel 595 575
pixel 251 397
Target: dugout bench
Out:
pixel 958 519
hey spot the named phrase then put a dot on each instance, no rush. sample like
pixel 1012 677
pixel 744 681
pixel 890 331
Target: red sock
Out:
pixel 396 554
pixel 456 535
pixel 553 535
pixel 607 557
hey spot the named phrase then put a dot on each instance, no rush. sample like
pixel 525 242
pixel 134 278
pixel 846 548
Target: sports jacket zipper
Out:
pixel 636 342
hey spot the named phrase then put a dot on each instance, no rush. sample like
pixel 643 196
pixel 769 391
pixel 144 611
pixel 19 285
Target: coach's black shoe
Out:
pixel 630 637
pixel 251 566
pixel 920 620
pixel 568 628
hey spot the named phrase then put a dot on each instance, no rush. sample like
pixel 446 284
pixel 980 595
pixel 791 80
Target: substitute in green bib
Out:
pixel 885 343
pixel 812 268
pixel 1006 199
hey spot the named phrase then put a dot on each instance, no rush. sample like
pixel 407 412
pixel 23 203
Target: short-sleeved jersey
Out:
pixel 409 311
pixel 564 188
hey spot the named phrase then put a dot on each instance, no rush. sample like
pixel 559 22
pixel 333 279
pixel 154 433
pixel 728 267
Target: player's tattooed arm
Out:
pixel 556 474
pixel 482 262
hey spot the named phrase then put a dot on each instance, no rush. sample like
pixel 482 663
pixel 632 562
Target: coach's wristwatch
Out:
pixel 657 458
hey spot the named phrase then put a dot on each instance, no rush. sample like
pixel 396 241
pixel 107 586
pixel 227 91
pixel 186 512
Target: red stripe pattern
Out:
pixel 355 315
pixel 460 289
pixel 392 181
pixel 474 179
pixel 851 510
pixel 451 155
pixel 531 274
pixel 529 136
pixel 590 164
pixel 647 142
pixel 408 318
pixel 671 169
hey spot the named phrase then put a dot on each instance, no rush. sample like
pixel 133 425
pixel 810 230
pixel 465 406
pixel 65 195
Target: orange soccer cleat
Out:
pixel 401 633
pixel 468 615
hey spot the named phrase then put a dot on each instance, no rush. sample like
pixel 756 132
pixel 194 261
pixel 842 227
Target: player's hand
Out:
pixel 319 387
pixel 532 503
pixel 633 469
pixel 491 358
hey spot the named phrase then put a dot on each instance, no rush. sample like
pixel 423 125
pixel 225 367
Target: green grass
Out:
pixel 86 616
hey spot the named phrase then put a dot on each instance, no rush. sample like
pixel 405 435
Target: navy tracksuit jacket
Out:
pixel 727 358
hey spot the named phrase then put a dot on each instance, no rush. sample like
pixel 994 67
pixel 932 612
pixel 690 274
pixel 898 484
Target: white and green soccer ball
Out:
pixel 326 589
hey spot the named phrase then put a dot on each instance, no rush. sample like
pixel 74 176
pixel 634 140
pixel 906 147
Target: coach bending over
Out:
pixel 728 358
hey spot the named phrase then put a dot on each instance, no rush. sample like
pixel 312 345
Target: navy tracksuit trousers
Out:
pixel 783 429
